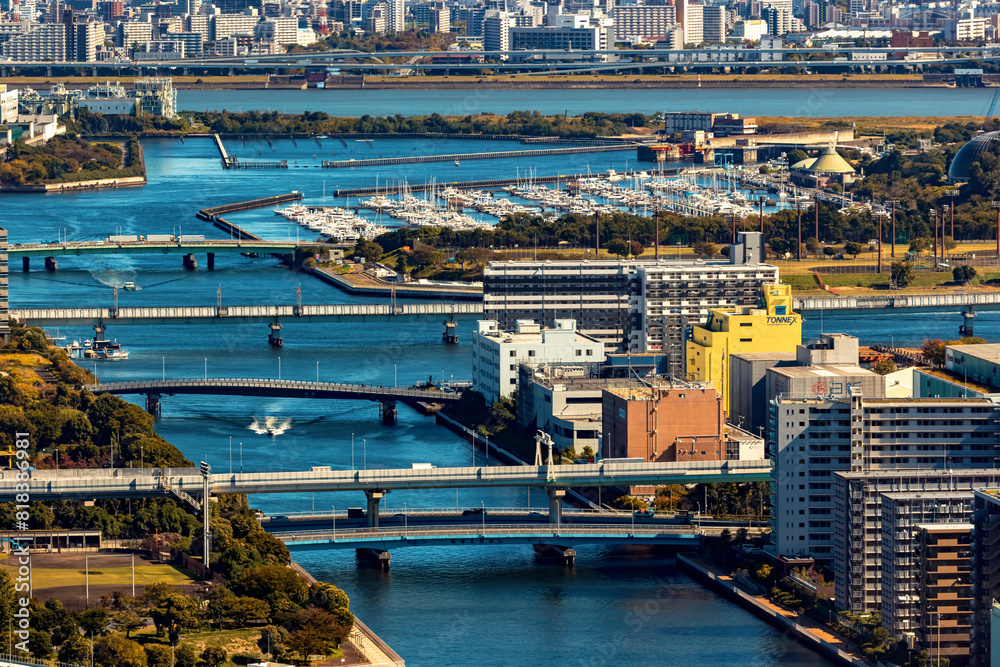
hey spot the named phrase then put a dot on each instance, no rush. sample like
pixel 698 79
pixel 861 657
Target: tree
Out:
pixel 75 650
pixel 274 641
pixel 812 245
pixel 158 655
pixel 884 366
pixel 117 651
pixel 919 244
pixel 963 273
pixel 329 597
pixel 173 614
pixel 934 352
pixel 635 248
pixel 902 273
pixel 588 452
pixel 40 644
pixel 319 631
pixel 128 621
pixel 371 251
pixel 779 246
pixel 830 251
pixel 705 249
pixel 854 249
pixel 214 656
pixel 950 243
pixel 618 247
pixel 95 621
pixel 246 609
pixel 185 657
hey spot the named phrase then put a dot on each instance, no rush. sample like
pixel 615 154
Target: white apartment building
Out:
pixel 130 33
pixel 811 440
pixel 396 19
pixel 643 21
pixel 496 31
pixel 498 353
pixel 8 105
pixel 749 30
pixel 226 25
pixel 280 31
pixel 694 24
pixel 44 41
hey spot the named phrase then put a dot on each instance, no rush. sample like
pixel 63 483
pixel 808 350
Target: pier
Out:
pixel 232 162
pixel 207 213
pixel 497 155
pixel 490 184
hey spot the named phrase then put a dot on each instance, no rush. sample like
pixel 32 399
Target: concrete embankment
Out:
pixel 805 630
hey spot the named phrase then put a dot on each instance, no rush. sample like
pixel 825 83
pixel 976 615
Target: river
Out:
pixel 798 101
pixel 438 606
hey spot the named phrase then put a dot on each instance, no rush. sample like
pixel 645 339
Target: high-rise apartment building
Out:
pixel 131 33
pixel 631 306
pixel 714 24
pixel 811 440
pixel 396 19
pixel 945 591
pixel 643 21
pixel 496 31
pixel 4 295
pixel 985 573
pixel 44 41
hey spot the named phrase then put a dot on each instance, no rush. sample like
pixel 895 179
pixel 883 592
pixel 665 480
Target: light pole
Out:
pixel 394 376
pixel 241 458
pixel 206 369
pixel 364 453
pixel 279 368
pixel 230 455
pixel 86 570
pixel 334 508
pixel 483 504
pixel 995 204
pixel 317 371
pixel 352 452
pixel 163 369
pixel 404 520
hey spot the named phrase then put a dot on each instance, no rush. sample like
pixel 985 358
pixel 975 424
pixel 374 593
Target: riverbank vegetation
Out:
pixel 251 588
pixel 66 159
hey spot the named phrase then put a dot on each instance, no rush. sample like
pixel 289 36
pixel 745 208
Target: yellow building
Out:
pixel 772 326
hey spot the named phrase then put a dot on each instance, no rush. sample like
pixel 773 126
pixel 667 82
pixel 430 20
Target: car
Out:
pixel 280 517
pixel 474 511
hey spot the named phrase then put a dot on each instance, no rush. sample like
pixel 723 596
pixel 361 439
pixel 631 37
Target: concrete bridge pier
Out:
pixel 374 497
pixel 565 554
pixel 211 261
pixel 190 262
pixel 153 405
pixel 274 338
pixel 555 505
pixel 26 264
pixel 51 264
pixel 388 411
pixel 369 557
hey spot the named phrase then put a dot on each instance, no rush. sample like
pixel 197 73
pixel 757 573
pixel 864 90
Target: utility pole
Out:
pixel 996 205
pixel 656 225
pixel 881 215
pixel 798 248
pixel 206 533
pixel 816 209
pixel 762 200
pixel 892 246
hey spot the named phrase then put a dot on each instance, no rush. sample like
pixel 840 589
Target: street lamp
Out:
pixel 230 455
pixel 483 504
pixel 241 458
pixel 317 371
pixel 394 376
pixel 206 369
pixel 352 452
pixel 334 508
pixel 279 368
pixel 995 204
pixel 404 520
pixel 364 453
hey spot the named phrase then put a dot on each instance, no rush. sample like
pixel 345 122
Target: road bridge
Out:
pixel 273 316
pixel 910 302
pixel 374 543
pixel 188 248
pixel 386 397
pixel 93 483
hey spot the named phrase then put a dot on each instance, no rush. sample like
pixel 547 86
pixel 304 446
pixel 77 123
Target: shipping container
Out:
pixel 159 238
pixel 188 238
pixel 123 239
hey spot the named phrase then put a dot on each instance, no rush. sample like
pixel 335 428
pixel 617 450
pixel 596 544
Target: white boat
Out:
pixel 112 355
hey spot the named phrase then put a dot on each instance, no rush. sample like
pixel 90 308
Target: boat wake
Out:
pixel 270 426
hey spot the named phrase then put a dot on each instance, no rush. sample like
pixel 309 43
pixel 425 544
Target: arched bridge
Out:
pixel 387 397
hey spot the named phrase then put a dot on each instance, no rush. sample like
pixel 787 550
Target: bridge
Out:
pixel 93 483
pixel 180 247
pixel 911 302
pixel 99 318
pixel 374 543
pixel 385 396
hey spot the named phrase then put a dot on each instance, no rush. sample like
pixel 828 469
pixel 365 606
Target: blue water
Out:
pixel 799 101
pixel 438 606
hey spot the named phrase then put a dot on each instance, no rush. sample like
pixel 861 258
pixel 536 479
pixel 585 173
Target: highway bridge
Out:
pixel 385 396
pixel 94 483
pixel 186 247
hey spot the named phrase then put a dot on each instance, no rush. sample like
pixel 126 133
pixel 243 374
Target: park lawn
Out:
pixel 49 577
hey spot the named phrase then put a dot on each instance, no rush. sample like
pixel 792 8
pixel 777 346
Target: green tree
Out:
pixel 618 247
pixel 830 251
pixel 812 245
pixel 94 621
pixel 185 657
pixel 40 644
pixel 128 621
pixel 854 249
pixel 588 452
pixel 635 248
pixel 705 249
pixel 174 614
pixel 273 642
pixel 214 656
pixel 329 597
pixel 318 632
pixel 158 655
pixel 116 651
pixel 933 351
pixel 902 273
pixel 247 609
pixel 963 273
pixel 884 366
pixel 75 650
pixel 919 244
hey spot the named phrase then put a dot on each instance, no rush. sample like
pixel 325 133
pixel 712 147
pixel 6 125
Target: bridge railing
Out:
pixel 141 386
pixel 473 529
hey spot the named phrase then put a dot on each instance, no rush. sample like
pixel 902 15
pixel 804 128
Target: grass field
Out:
pixel 48 577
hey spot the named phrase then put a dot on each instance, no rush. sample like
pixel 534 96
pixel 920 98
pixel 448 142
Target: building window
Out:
pixel 531 353
pixel 746 340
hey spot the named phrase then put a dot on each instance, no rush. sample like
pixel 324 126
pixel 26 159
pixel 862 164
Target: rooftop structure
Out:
pixel 968 154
